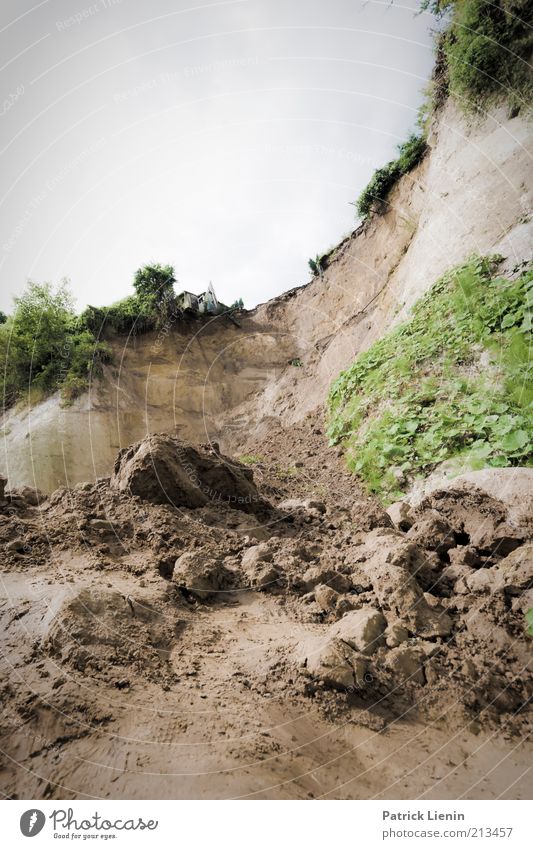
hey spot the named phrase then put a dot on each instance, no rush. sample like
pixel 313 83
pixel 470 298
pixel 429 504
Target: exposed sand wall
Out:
pixel 473 193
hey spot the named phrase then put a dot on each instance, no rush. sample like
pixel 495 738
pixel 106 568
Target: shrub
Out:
pixel 43 345
pixel 487 47
pixel 411 153
pixel 418 396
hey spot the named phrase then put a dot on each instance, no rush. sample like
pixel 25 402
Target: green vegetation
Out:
pixel 42 348
pixel 453 382
pixel 318 265
pixel 529 622
pixel 486 48
pixel 296 362
pixel 250 459
pixel 153 304
pixel 375 194
pixel 3 317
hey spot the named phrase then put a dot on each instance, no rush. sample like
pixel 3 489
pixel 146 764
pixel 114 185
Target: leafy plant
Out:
pixel 411 153
pixel 420 396
pixel 318 265
pixel 529 622
pixel 487 47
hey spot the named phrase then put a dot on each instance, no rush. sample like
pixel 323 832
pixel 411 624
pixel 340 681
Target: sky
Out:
pixel 229 139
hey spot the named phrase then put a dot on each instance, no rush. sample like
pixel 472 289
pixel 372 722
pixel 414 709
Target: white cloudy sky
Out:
pixel 226 138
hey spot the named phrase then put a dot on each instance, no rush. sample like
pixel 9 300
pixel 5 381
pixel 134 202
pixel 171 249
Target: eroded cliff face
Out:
pixel 213 380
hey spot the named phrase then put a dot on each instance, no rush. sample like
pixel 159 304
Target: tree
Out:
pixel 3 317
pixel 154 285
pixel 40 324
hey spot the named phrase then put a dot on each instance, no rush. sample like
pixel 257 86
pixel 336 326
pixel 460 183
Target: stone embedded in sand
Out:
pixel 391 565
pixel 165 470
pixel 326 597
pixel 308 505
pixel 335 663
pixel 325 575
pixel 256 554
pixel 406 664
pixel 395 635
pixel 361 629
pixel 201 576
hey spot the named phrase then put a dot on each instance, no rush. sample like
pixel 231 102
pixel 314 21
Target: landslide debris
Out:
pixel 417 612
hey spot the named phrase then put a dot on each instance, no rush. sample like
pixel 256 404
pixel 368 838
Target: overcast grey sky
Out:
pixel 226 138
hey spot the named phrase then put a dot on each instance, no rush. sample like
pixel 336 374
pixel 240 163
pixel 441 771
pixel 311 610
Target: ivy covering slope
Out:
pixel 455 381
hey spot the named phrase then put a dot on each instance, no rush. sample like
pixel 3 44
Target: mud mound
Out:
pixel 165 470
pixel 104 633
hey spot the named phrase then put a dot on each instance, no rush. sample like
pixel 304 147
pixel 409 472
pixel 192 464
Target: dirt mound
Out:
pixel 165 470
pixel 106 633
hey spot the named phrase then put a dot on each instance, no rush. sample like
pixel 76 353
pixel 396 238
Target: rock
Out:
pixel 516 570
pixel 367 515
pixel 326 597
pixel 464 555
pixel 406 664
pixel 432 532
pixel 324 575
pixel 263 576
pixel 15 545
pixel 162 469
pixel 395 635
pixel 335 663
pixel 343 606
pixel 3 484
pixel 101 525
pixel 392 564
pixel 256 554
pixel 201 576
pixel 308 505
pixel 361 629
pixel 401 515
pixel 484 581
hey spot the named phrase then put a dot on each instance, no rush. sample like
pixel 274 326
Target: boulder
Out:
pixel 3 484
pixel 391 565
pixel 201 576
pixel 335 663
pixel 163 470
pixel 361 629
